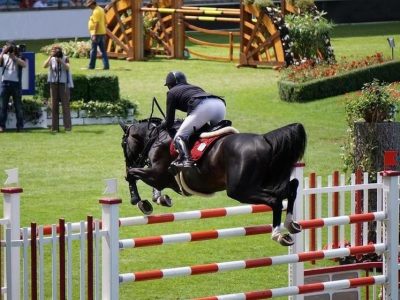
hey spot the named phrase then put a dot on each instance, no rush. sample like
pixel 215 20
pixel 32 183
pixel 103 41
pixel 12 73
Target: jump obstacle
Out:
pixel 260 36
pixel 103 236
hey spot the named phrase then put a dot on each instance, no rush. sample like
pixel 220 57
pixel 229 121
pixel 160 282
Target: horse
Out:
pixel 252 168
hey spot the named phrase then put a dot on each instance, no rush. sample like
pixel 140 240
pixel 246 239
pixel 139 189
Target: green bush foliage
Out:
pixel 95 109
pixel 378 102
pixel 81 88
pixel 103 88
pixel 302 4
pixel 339 84
pixel 375 104
pixel 74 48
pixel 42 89
pixel 308 32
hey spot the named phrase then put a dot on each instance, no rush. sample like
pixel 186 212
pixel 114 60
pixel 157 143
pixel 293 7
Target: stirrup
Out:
pixel 185 164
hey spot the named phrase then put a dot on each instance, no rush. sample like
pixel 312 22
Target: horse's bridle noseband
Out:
pixel 142 160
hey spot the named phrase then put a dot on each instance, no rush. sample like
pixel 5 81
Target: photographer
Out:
pixel 60 80
pixel 11 75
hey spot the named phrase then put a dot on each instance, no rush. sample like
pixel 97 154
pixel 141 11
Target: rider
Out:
pixel 201 108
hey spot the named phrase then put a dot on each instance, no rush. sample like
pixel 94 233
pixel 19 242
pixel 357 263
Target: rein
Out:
pixel 142 159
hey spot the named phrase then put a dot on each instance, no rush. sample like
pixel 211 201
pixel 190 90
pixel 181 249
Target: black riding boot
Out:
pixel 184 160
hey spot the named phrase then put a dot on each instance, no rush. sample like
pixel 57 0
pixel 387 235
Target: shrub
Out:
pixel 103 88
pixel 302 4
pixel 376 103
pixel 308 32
pixel 81 88
pixel 97 109
pixel 310 70
pixel 339 84
pixel 74 48
pixel 42 89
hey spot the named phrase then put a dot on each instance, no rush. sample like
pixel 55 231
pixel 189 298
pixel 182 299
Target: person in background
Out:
pixel 40 4
pixel 25 4
pixel 97 28
pixel 60 80
pixel 201 108
pixel 11 75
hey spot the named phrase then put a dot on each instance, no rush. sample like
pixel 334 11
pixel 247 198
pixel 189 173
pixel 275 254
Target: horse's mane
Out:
pixel 151 120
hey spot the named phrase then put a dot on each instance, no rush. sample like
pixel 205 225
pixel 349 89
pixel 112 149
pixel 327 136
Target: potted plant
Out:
pixel 372 130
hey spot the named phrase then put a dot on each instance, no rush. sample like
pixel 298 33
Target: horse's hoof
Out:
pixel 283 239
pixel 145 207
pixel 286 240
pixel 163 200
pixel 294 227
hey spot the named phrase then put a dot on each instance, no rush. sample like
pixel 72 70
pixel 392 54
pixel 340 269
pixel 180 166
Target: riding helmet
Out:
pixel 174 78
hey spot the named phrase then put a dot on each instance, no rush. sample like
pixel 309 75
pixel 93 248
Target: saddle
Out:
pixel 204 138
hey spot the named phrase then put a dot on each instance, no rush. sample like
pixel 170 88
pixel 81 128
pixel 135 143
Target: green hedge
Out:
pixel 102 88
pixel 337 85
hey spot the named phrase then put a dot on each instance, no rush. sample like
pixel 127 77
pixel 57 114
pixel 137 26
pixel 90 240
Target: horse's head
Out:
pixel 137 140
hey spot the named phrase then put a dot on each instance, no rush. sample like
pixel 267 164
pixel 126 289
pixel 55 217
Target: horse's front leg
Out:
pixel 150 176
pixel 291 225
pixel 161 199
pixel 144 205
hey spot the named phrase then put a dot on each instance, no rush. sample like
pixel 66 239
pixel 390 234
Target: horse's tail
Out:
pixel 288 145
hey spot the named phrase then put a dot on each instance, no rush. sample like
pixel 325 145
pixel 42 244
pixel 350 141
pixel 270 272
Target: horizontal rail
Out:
pixel 342 188
pixel 212 19
pixel 191 11
pixel 211 31
pixel 242 231
pixel 302 289
pixel 251 263
pixel 205 43
pixel 195 215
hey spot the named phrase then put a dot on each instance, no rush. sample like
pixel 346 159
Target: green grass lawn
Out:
pixel 62 174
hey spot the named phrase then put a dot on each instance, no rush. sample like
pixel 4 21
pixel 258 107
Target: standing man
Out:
pixel 97 28
pixel 11 75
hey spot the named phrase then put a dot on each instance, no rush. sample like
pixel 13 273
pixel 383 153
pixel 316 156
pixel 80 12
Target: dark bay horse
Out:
pixel 252 168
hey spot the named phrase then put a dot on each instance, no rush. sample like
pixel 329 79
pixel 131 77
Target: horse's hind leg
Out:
pixel 257 195
pixel 291 225
pixel 159 198
pixel 283 239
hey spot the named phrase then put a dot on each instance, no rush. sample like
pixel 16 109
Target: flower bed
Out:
pixel 336 80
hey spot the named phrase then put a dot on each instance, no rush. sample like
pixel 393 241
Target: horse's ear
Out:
pixel 123 125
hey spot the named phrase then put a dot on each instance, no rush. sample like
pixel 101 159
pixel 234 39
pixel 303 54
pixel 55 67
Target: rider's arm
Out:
pixel 170 117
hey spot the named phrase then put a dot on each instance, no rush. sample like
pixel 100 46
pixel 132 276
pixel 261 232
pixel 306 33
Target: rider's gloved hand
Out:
pixel 163 125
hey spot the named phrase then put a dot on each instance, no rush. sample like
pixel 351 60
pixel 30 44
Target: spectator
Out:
pixel 60 80
pixel 25 4
pixel 97 28
pixel 40 4
pixel 12 64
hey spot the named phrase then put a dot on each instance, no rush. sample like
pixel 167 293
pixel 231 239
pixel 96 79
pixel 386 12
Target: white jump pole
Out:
pixel 391 234
pixel 296 271
pixel 110 248
pixel 11 212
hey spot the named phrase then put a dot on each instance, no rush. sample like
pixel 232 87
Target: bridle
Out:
pixel 142 160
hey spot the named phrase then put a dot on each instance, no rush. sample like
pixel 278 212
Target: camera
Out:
pixel 16 49
pixel 58 53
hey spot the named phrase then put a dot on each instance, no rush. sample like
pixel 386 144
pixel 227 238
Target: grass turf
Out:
pixel 62 174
